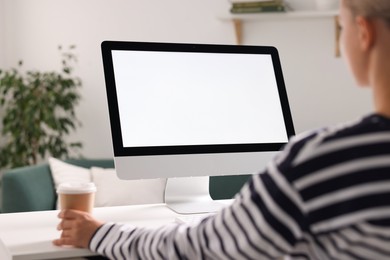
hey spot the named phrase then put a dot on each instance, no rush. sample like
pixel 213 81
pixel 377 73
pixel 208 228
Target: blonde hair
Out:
pixel 370 8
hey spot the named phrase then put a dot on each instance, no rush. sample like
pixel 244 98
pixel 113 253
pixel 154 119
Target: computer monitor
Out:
pixel 186 110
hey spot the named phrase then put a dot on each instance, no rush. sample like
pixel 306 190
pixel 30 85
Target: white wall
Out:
pixel 2 47
pixel 2 34
pixel 321 90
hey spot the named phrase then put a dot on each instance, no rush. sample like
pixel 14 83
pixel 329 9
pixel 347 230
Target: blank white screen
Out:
pixel 178 98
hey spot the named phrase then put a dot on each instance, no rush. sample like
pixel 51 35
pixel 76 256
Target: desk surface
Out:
pixel 29 235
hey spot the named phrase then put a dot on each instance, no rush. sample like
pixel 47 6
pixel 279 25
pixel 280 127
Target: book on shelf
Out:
pixel 257 3
pixel 257 9
pixel 253 5
pixel 259 6
pixel 266 9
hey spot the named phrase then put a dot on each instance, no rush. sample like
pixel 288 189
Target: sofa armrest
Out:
pixel 28 189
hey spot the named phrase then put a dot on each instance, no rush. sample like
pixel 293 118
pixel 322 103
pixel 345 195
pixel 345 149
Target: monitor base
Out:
pixel 190 195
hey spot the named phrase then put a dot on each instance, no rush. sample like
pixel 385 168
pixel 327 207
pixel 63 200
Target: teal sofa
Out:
pixel 31 188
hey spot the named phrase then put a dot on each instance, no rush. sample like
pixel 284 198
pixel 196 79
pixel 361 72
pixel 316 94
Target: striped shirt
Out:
pixel 326 196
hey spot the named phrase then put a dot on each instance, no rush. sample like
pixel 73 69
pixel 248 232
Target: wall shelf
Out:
pixel 239 19
pixel 285 15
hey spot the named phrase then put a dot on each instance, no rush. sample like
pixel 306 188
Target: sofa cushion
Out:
pixel 111 191
pixel 64 172
pixel 28 189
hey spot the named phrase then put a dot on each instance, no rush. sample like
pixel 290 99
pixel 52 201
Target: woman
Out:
pixel 327 195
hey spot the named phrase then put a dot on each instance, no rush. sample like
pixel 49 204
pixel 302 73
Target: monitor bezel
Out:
pixel 119 150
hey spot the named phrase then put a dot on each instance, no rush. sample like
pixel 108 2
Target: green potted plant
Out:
pixel 38 112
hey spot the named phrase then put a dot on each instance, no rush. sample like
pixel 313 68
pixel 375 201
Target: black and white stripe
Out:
pixel 327 196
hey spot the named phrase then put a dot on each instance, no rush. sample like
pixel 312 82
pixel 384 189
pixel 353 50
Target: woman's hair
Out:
pixel 370 8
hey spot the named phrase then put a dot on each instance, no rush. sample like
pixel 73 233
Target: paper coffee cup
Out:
pixel 78 196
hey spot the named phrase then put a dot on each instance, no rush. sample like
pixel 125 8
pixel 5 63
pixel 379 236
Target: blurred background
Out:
pixel 320 88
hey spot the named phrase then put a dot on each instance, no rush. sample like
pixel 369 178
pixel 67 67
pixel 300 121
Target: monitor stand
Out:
pixel 190 195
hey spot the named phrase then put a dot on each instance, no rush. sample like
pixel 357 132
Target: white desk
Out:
pixel 29 235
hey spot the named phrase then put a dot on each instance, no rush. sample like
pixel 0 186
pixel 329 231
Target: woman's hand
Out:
pixel 77 228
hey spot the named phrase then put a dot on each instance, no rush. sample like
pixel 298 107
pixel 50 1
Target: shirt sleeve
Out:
pixel 265 221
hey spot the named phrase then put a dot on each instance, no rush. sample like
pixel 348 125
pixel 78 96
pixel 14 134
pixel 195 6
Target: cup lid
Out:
pixel 76 187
